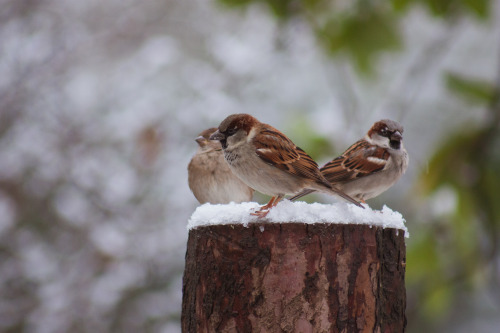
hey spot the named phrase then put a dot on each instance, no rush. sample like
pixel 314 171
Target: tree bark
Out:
pixel 294 277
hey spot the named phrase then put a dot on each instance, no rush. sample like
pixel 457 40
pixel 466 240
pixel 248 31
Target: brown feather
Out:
pixel 351 165
pixel 280 152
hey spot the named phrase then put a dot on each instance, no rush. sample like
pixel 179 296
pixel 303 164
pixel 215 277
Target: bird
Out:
pixel 209 176
pixel 371 165
pixel 268 161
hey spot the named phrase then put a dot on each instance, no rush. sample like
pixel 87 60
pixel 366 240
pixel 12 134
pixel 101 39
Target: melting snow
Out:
pixel 299 212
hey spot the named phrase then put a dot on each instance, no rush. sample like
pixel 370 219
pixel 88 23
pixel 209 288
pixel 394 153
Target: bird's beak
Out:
pixel 201 140
pixel 396 139
pixel 217 135
pixel 396 136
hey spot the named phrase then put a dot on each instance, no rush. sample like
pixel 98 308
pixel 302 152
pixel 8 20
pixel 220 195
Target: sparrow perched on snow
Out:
pixel 371 165
pixel 269 162
pixel 209 176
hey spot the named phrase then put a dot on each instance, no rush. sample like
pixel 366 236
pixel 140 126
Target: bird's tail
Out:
pixel 301 194
pixel 329 188
pixel 345 196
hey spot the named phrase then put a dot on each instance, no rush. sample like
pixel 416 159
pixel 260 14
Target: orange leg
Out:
pixel 276 201
pixel 269 204
pixel 264 210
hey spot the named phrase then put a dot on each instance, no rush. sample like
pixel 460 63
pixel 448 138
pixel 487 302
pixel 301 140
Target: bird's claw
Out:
pixel 260 213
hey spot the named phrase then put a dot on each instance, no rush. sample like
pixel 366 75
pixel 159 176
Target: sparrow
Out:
pixel 209 176
pixel 269 162
pixel 371 165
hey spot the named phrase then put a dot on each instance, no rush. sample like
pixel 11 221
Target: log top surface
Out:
pixel 297 212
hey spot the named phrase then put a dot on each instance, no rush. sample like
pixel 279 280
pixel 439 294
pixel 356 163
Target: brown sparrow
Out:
pixel 209 176
pixel 371 165
pixel 269 162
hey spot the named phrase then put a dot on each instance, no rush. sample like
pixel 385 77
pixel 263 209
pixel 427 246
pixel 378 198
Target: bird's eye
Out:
pixel 231 131
pixel 384 131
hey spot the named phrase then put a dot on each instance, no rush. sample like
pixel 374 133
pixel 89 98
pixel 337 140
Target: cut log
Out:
pixel 294 277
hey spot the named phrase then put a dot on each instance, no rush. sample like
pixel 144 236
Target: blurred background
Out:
pixel 100 102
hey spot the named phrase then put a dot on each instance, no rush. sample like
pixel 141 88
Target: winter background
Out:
pixel 100 102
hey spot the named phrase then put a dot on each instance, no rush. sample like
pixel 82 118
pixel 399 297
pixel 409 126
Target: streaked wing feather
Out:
pixel 357 161
pixel 276 149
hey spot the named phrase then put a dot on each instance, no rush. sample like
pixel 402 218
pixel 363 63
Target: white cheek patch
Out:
pixel 380 141
pixel 376 160
pixel 233 142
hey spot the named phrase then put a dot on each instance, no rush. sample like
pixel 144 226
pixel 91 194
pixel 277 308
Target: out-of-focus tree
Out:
pixel 362 30
pixel 81 223
pixel 460 250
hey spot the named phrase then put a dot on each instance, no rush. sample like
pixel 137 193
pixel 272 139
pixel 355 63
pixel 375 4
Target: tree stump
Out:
pixel 294 277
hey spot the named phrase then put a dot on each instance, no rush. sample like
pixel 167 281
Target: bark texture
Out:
pixel 294 277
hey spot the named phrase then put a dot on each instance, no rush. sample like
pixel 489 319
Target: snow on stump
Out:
pixel 305 268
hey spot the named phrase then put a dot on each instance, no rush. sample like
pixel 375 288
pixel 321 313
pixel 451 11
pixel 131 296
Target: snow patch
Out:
pixel 298 212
